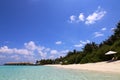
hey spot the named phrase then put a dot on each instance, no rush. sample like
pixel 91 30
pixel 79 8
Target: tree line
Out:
pixel 91 52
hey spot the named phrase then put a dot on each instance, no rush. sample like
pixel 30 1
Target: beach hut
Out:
pixel 112 53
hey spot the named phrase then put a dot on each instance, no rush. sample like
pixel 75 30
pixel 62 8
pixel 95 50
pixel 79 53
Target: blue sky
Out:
pixel 36 29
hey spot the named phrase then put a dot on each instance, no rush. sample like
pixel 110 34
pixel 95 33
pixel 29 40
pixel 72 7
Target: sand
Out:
pixel 108 67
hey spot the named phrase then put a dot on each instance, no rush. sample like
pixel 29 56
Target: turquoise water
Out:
pixel 51 73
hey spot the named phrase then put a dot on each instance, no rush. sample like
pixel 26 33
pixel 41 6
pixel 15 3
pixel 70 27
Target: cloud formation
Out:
pixel 58 42
pixel 53 51
pixel 72 18
pixel 5 49
pixel 95 16
pixel 30 49
pixel 29 52
pixel 113 29
pixel 81 17
pixel 91 18
pixel 82 43
pixel 98 34
pixel 104 29
pixel 42 54
pixel 31 45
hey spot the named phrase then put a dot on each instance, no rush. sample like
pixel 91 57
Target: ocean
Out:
pixel 51 73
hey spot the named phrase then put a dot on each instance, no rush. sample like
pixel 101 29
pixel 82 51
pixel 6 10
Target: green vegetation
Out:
pixel 91 53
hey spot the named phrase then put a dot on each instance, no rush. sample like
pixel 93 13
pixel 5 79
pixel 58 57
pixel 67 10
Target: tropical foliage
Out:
pixel 91 53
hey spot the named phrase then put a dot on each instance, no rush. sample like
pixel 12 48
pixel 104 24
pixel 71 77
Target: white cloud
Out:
pixel 42 51
pixel 82 43
pixel 78 45
pixel 22 51
pixel 28 51
pixel 5 49
pixel 98 34
pixel 64 51
pixel 58 42
pixel 30 45
pixel 42 54
pixel 35 48
pixel 72 18
pixel 30 48
pixel 81 17
pixel 113 29
pixel 90 19
pixel 77 19
pixel 104 29
pixel 95 16
pixel 53 51
pixel 40 48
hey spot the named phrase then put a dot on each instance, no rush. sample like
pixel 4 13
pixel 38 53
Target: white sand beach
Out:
pixel 108 67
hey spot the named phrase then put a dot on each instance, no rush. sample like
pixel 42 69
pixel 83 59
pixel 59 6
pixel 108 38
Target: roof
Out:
pixel 110 52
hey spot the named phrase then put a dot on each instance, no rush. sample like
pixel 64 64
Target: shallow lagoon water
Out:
pixel 51 73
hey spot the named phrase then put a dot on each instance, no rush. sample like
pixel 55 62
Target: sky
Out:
pixel 31 30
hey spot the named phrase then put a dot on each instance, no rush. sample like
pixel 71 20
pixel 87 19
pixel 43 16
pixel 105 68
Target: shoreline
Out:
pixel 106 67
